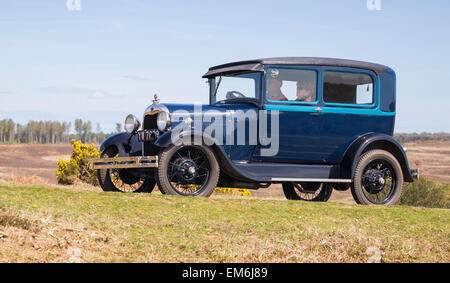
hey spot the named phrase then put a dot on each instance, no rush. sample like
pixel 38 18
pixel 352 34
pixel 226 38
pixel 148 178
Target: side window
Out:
pixel 291 85
pixel 348 88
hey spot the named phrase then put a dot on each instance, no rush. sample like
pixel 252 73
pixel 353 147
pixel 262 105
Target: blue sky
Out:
pixel 109 58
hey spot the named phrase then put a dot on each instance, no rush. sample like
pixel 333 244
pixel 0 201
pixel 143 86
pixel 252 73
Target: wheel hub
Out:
pixel 186 169
pixel 374 181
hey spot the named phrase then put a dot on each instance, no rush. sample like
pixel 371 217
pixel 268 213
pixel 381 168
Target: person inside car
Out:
pixel 305 91
pixel 274 89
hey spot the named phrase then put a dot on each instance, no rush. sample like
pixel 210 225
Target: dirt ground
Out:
pixel 32 160
pixel 38 162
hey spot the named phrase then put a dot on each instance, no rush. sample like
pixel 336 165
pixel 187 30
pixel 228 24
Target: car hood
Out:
pixel 179 112
pixel 202 108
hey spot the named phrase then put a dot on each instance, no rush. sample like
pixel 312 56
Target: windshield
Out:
pixel 237 86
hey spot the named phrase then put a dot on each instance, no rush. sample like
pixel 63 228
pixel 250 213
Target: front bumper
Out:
pixel 125 162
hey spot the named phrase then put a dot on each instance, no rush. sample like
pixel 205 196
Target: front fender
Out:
pixel 226 165
pixel 124 142
pixel 375 141
pixel 166 139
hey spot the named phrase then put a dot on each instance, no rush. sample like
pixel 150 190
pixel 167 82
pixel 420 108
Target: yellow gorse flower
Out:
pixel 78 166
pixel 233 191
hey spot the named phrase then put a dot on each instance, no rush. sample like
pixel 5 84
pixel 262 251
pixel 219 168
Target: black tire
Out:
pixel 307 191
pixel 341 186
pixel 175 177
pixel 119 180
pixel 378 179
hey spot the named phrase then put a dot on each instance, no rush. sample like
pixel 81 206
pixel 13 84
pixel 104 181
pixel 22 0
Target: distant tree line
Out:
pixel 416 137
pixel 43 132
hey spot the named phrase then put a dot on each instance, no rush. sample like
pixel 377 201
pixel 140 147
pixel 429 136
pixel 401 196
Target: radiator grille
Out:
pixel 149 124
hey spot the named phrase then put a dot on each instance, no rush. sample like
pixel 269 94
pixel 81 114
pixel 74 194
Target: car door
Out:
pixel 350 109
pixel 300 124
pixel 319 131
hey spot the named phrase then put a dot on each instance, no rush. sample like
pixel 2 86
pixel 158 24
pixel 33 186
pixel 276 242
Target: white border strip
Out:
pixel 311 180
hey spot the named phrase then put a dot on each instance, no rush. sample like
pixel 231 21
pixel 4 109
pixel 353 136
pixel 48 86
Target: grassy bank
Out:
pixel 45 224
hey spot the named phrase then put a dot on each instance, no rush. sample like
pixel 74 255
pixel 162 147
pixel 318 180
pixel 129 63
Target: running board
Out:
pixel 125 162
pixel 306 180
pixel 289 172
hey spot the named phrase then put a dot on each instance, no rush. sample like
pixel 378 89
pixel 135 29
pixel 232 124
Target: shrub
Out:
pixel 77 168
pixel 425 192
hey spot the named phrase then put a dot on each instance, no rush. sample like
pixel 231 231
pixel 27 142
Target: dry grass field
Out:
pixel 43 222
pixel 57 224
pixel 36 164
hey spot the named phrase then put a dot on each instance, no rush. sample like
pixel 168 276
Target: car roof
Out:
pixel 257 65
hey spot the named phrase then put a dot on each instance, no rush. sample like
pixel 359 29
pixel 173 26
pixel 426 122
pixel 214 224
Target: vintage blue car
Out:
pixel 310 124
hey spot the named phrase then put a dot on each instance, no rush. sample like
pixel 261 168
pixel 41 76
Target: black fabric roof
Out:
pixel 258 64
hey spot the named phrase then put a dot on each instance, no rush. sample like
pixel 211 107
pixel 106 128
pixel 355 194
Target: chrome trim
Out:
pixel 124 162
pixel 168 121
pixel 311 180
pixel 136 123
pixel 188 121
pixel 156 108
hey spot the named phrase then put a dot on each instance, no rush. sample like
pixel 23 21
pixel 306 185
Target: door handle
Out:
pixel 318 109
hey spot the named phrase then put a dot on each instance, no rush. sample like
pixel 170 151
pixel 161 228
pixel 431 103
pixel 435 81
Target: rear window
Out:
pixel 348 88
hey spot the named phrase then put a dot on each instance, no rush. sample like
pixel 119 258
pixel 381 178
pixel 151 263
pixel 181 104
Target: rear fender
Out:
pixel 374 141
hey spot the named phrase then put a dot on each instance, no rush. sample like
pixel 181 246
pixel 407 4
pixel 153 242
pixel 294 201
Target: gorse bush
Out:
pixel 425 192
pixel 77 168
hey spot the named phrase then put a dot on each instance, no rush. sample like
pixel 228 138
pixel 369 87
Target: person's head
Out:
pixel 306 90
pixel 274 85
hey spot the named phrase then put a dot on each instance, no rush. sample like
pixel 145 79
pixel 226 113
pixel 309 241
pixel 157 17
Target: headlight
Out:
pixel 163 120
pixel 132 124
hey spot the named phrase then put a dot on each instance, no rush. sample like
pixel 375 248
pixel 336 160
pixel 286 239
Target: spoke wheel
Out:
pixel 307 191
pixel 378 179
pixel 188 170
pixel 122 180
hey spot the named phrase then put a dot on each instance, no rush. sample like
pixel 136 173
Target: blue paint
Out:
pixel 375 81
pixel 335 110
pixel 312 144
pixel 293 101
pixel 388 89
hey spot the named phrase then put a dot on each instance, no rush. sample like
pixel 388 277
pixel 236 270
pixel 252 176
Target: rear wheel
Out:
pixel 378 179
pixel 122 180
pixel 307 191
pixel 188 170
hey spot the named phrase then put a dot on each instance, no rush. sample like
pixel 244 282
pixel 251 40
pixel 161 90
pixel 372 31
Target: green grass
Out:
pixel 115 227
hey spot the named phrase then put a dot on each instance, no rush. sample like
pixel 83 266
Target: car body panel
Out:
pixel 318 140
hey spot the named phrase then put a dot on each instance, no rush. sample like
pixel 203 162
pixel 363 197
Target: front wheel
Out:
pixel 122 180
pixel 307 191
pixel 378 179
pixel 188 170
